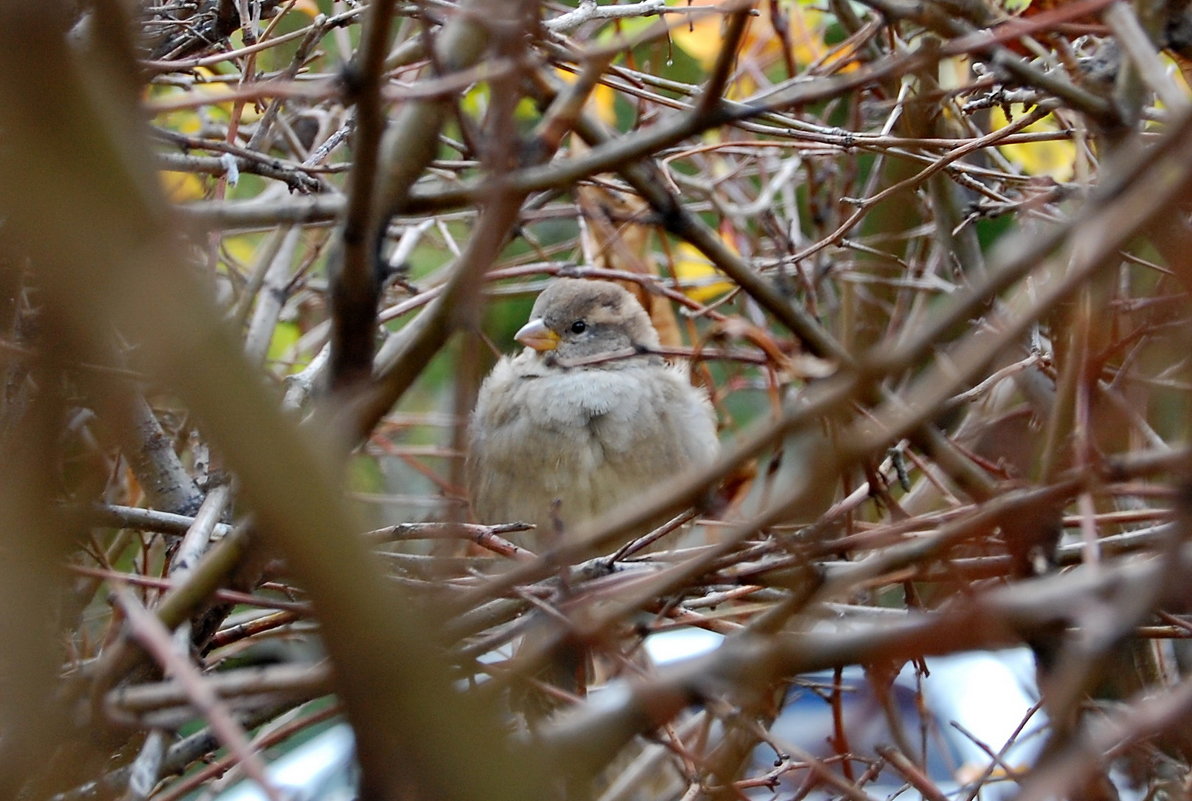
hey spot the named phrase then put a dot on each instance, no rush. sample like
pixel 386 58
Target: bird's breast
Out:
pixel 592 439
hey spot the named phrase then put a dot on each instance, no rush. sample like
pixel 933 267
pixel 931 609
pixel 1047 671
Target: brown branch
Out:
pixel 993 619
pixel 354 266
pixel 155 638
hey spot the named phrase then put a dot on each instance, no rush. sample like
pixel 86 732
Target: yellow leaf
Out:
pixel 701 38
pixel 285 337
pixel 602 100
pixel 700 280
pixel 205 95
pixel 182 186
pixel 475 100
pixel 1055 158
pixel 308 7
pixel 241 248
pixel 761 46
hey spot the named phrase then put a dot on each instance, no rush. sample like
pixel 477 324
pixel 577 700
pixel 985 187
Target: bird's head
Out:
pixel 575 319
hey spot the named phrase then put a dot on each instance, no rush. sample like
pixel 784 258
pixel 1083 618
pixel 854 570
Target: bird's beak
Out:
pixel 536 335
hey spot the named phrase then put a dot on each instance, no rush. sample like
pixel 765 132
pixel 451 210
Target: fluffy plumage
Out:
pixel 582 415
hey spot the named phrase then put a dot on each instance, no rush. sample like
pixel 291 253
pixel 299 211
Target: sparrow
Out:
pixel 587 417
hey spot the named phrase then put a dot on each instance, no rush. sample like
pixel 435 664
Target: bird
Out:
pixel 586 417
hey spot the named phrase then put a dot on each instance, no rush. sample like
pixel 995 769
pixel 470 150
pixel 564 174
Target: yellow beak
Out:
pixel 536 335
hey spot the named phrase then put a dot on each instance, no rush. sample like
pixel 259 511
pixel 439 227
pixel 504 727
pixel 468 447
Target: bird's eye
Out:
pixel 578 327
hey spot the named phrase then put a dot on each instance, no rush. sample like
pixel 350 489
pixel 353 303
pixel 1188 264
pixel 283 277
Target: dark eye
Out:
pixel 578 327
